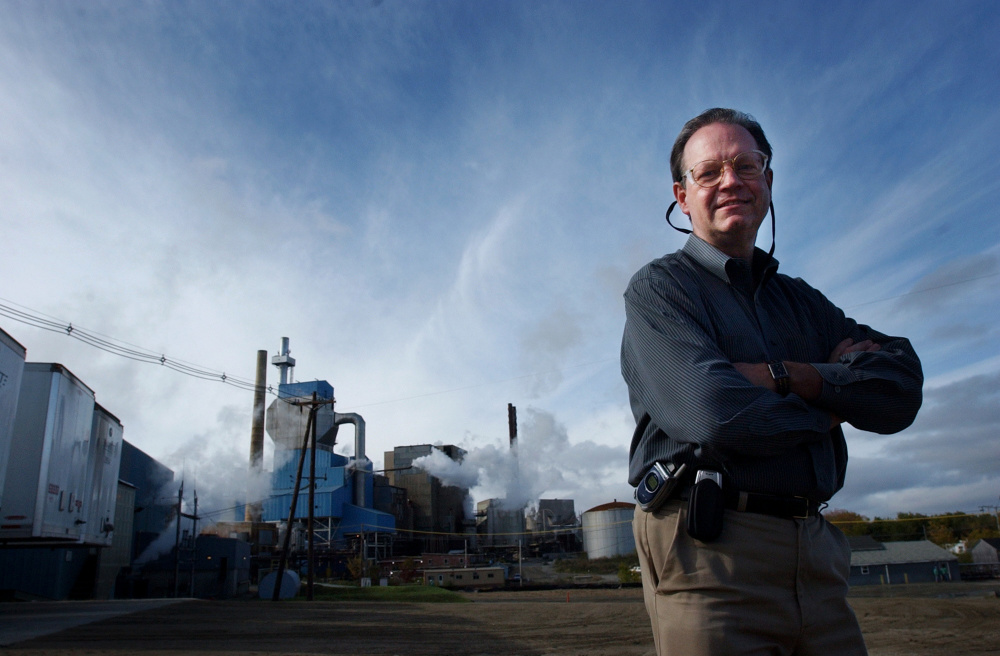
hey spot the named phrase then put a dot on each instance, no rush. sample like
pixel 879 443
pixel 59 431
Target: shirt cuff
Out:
pixel 837 379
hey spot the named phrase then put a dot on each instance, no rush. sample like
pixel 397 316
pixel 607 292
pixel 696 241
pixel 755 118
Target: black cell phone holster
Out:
pixel 705 507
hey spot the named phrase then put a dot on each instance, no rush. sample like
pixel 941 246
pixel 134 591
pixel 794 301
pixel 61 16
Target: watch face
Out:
pixel 778 370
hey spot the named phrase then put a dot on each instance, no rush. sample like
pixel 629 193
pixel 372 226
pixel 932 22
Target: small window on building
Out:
pixel 458 576
pixel 475 575
pixel 441 578
pixel 864 570
pixel 490 575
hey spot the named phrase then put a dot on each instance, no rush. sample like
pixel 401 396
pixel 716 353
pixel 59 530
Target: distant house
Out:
pixel 986 551
pixel 465 577
pixel 889 563
pixel 957 548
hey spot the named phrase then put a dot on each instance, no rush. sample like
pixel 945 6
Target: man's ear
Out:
pixel 680 195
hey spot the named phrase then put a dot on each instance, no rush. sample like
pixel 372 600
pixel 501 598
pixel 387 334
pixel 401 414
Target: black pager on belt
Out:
pixel 657 485
pixel 706 506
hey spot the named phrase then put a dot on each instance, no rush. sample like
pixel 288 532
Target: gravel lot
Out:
pixel 952 619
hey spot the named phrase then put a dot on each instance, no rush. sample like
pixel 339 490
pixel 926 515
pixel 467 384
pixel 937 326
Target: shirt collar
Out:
pixel 724 267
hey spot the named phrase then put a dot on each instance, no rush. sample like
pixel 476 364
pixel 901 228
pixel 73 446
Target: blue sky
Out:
pixel 440 203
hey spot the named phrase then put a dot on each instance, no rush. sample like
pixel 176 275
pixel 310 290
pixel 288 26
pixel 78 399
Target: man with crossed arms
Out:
pixel 736 369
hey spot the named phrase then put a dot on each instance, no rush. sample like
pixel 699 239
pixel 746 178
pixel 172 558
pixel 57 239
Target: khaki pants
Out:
pixel 767 585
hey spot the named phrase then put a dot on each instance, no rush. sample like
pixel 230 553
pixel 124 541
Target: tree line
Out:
pixel 942 530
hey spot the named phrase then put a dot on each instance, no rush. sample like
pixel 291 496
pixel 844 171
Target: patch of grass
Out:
pixel 582 565
pixel 393 593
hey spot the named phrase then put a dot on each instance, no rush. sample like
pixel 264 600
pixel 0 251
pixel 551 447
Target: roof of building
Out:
pixel 993 542
pixel 898 553
pixel 864 543
pixel 614 505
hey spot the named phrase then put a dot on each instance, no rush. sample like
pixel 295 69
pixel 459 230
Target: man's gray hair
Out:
pixel 708 117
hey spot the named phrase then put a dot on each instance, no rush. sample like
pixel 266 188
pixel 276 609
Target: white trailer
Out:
pixel 103 461
pixel 11 368
pixel 45 495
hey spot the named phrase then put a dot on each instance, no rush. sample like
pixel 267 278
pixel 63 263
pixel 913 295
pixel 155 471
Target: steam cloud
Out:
pixel 544 465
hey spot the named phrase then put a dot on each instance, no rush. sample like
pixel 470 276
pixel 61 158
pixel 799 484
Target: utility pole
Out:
pixel 177 541
pixel 312 496
pixel 996 511
pixel 283 561
pixel 194 543
pixel 520 574
pixel 308 439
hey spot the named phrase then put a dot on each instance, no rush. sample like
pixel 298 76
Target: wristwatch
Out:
pixel 782 382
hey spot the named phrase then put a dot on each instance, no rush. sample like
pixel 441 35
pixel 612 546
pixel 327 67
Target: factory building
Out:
pixel 553 527
pixel 497 525
pixel 218 568
pixel 151 486
pixel 436 511
pixel 607 530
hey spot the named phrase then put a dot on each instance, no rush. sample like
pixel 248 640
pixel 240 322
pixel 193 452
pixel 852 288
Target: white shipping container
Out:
pixel 45 491
pixel 103 462
pixel 11 368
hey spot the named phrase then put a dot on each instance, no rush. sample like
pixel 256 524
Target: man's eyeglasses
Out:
pixel 748 166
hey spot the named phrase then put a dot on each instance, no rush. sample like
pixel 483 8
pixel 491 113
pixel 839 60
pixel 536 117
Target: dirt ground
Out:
pixel 610 622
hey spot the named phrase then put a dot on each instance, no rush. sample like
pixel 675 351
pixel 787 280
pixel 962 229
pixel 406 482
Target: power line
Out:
pixel 121 348
pixel 137 353
pixel 921 291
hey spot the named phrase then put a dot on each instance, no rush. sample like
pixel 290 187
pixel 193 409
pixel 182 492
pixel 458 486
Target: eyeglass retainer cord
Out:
pixel 670 209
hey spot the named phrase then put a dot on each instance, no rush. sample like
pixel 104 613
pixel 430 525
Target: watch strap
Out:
pixel 782 381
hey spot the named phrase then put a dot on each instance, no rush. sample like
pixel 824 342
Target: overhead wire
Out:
pixel 140 354
pixel 124 349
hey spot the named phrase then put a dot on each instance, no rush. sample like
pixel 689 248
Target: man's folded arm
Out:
pixel 692 392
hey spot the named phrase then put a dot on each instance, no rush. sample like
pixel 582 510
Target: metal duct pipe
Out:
pixel 359 452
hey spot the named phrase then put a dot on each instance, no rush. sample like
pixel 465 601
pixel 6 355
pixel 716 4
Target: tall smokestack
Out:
pixel 512 424
pixel 253 509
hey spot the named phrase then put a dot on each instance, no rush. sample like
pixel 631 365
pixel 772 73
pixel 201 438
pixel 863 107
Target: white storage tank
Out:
pixel 45 494
pixel 607 530
pixel 103 461
pixel 11 367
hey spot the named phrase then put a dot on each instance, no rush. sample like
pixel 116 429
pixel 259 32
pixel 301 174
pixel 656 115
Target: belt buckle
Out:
pixel 807 504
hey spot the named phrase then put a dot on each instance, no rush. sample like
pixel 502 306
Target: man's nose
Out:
pixel 729 177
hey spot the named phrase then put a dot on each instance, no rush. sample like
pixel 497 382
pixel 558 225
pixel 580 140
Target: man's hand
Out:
pixel 848 346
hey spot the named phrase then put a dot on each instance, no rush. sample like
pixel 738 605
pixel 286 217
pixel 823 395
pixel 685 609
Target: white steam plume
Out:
pixel 544 465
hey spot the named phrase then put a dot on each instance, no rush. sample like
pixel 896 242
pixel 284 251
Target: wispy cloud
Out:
pixel 441 204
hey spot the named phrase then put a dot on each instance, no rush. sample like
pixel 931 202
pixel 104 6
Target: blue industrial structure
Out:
pixel 343 503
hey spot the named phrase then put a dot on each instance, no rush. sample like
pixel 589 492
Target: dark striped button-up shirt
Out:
pixel 691 314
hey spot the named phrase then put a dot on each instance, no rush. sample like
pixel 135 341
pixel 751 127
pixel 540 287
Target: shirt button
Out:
pixel 837 389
